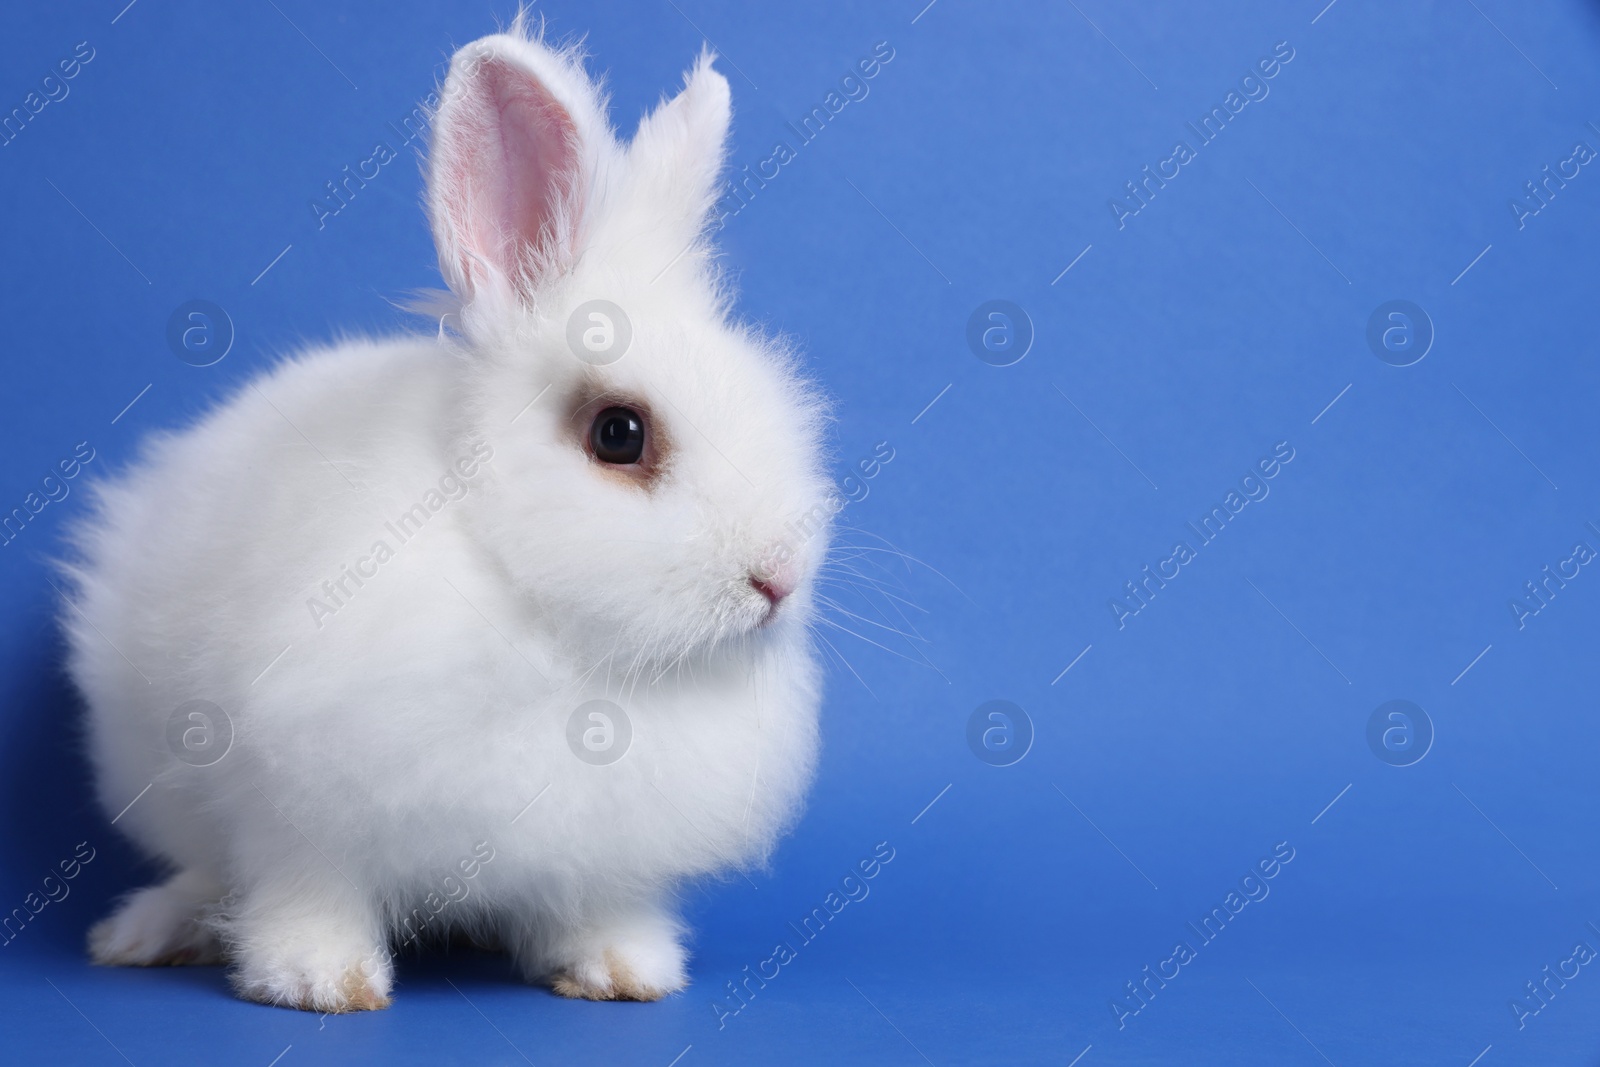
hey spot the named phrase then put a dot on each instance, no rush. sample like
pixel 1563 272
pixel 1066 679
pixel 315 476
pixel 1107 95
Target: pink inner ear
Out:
pixel 517 159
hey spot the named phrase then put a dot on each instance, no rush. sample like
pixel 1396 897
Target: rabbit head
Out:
pixel 656 488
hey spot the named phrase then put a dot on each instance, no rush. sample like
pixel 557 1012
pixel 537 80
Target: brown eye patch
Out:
pixel 621 437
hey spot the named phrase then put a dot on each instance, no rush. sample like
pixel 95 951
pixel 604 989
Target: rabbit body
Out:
pixel 383 647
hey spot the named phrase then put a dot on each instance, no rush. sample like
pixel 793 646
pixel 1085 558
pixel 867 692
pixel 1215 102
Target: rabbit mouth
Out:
pixel 773 590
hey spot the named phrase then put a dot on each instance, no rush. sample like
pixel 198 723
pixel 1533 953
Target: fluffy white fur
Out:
pixel 417 721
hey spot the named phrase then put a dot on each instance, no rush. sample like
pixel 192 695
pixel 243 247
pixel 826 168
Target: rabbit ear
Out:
pixel 678 153
pixel 509 165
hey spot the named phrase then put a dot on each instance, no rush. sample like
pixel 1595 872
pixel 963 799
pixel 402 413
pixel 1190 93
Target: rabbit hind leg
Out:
pixel 160 925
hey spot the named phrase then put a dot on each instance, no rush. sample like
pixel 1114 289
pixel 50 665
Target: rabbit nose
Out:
pixel 774 588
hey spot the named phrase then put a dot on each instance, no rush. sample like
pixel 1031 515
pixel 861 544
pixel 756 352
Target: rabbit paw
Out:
pixel 162 925
pixel 312 977
pixel 634 972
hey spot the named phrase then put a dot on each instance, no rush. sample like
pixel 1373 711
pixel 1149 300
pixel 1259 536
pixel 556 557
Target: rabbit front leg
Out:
pixel 630 950
pixel 309 939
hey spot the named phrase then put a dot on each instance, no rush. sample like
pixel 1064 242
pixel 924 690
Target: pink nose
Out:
pixel 774 589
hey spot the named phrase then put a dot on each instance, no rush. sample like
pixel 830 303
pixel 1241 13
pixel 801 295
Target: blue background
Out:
pixel 1179 749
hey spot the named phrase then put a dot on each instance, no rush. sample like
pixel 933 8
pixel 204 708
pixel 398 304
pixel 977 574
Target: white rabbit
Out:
pixel 396 573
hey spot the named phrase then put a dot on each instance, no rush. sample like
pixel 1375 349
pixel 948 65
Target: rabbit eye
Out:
pixel 617 436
